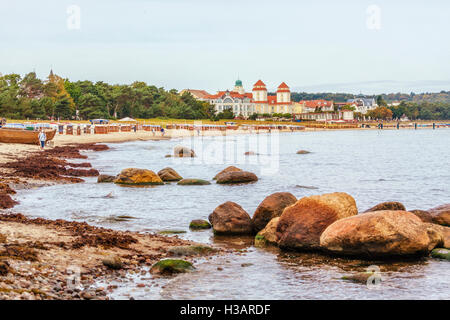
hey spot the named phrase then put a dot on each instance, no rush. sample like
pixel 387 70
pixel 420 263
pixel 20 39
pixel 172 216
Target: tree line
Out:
pixel 58 98
pixel 29 97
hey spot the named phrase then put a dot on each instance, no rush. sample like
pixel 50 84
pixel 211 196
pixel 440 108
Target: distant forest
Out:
pixel 29 97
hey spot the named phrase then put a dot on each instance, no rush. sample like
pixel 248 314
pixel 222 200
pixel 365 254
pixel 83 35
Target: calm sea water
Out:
pixel 409 166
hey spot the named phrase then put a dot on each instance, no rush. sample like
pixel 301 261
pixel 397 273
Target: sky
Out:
pixel 360 46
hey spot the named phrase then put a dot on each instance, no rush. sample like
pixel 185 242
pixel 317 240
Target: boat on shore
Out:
pixel 17 135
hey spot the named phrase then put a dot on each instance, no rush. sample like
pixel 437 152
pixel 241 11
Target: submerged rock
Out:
pixel 199 224
pixel 171 266
pixel 303 152
pixel 441 214
pixel 191 250
pixel 235 177
pixel 230 218
pixel 250 153
pixel 381 234
pixel 271 207
pixel 390 205
pixel 171 231
pixel 360 277
pixel 134 176
pixel 301 224
pixel 441 253
pixel 226 170
pixel 104 178
pixel 169 174
pixel 268 235
pixel 193 182
pixel 183 152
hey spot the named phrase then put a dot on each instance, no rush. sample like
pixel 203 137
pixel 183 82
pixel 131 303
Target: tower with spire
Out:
pixel 238 87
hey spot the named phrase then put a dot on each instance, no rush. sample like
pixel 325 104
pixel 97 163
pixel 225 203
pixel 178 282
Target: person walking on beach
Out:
pixel 42 137
pixel 162 131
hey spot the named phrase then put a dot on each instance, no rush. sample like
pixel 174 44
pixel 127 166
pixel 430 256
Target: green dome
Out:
pixel 238 83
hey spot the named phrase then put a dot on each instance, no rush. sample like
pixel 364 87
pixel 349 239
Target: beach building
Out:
pixel 244 103
pixel 363 104
pixel 197 94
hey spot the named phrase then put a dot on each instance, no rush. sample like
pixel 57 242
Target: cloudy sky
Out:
pixel 353 46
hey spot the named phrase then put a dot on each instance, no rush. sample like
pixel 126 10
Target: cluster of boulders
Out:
pixel 331 223
pixel 135 176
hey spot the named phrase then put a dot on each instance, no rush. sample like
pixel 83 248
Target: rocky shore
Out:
pixel 58 259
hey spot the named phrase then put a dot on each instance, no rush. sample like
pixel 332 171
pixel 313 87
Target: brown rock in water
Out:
pixel 169 174
pixel 104 178
pixel 425 216
pixel 271 207
pixel 230 218
pixel 268 234
pixel 183 152
pixel 391 205
pixel 250 153
pixel 443 230
pixel 227 169
pixel 236 177
pixel 441 214
pixel 193 182
pixel 303 152
pixel 381 234
pixel 133 176
pixel 302 223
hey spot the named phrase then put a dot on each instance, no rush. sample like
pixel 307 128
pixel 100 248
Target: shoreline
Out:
pixel 58 259
pixel 53 240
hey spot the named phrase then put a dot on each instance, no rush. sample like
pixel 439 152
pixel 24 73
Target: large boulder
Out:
pixel 183 152
pixel 230 218
pixel 441 214
pixel 425 216
pixel 133 176
pixel 104 178
pixel 227 169
pixel 169 174
pixel 381 234
pixel 234 177
pixel 390 205
pixel 269 233
pixel 271 207
pixel 444 231
pixel 302 223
